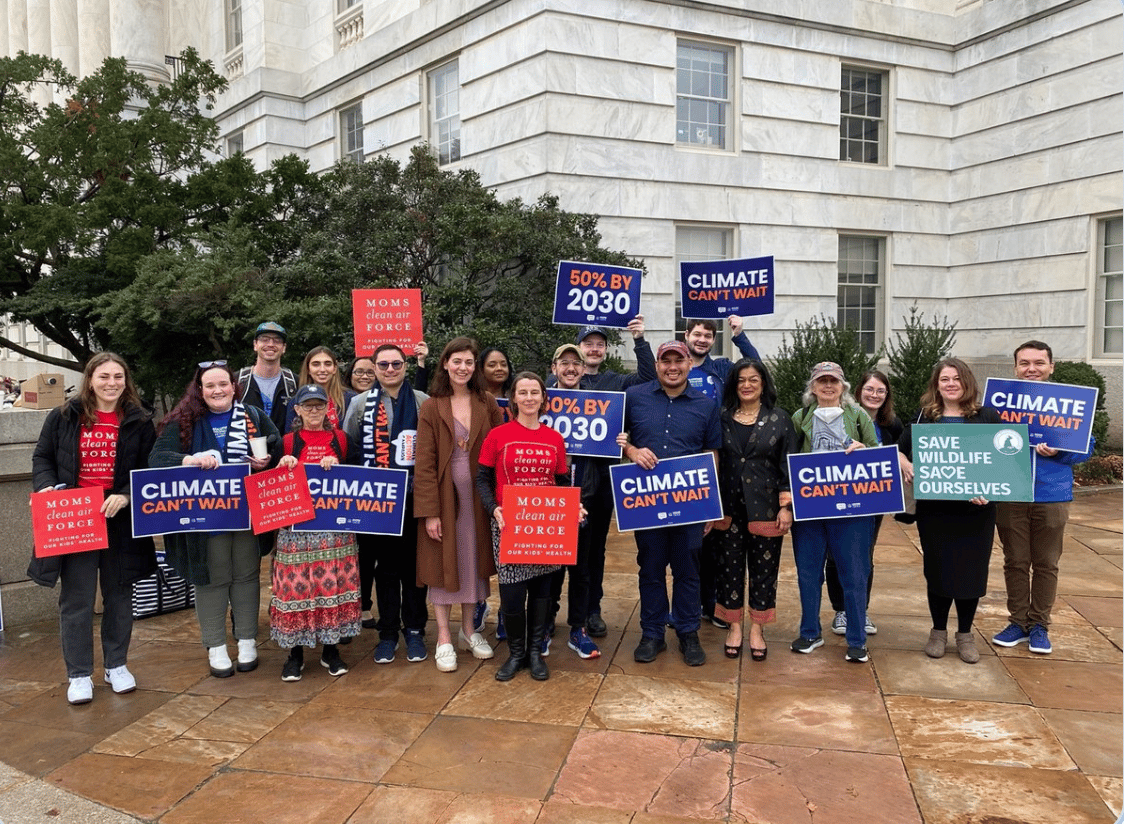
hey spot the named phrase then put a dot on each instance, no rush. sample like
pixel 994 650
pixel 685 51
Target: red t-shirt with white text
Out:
pixel 522 456
pixel 97 452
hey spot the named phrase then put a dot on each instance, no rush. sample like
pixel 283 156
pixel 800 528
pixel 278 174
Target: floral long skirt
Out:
pixel 315 581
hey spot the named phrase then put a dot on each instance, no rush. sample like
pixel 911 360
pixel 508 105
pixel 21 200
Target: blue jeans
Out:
pixel 848 541
pixel 655 549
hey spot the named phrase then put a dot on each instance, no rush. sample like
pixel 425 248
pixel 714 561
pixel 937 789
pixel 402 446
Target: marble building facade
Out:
pixel 963 155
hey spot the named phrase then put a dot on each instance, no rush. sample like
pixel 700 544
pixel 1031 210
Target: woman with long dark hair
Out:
pixel 956 536
pixel 454 541
pixel 208 427
pixel 94 440
pixel 757 499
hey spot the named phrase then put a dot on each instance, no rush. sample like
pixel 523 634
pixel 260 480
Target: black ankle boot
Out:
pixel 516 623
pixel 540 615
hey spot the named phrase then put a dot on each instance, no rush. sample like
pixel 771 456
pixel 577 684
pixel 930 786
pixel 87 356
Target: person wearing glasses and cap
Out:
pixel 383 423
pixel 592 341
pixel 669 418
pixel 267 384
pixel 211 426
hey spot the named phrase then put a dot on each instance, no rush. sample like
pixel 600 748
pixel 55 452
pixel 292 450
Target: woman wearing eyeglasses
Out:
pixel 211 426
pixel 876 397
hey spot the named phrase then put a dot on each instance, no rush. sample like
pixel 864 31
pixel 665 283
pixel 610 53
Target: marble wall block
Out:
pixel 789 67
pixel 920 118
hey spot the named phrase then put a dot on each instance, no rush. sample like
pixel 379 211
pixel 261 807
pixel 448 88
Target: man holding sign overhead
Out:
pixel 668 418
pixel 1031 533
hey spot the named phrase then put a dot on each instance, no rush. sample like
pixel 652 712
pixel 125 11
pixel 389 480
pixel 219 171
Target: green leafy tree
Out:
pixel 116 172
pixel 914 352
pixel 819 339
pixel 486 266
pixel 1082 374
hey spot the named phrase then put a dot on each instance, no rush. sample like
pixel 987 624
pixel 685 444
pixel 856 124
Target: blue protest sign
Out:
pixel 365 499
pixel 588 422
pixel 677 491
pixel 720 288
pixel 957 461
pixel 188 499
pixel 596 293
pixel 1059 415
pixel 838 485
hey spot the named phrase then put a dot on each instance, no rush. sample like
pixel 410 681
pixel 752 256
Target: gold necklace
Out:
pixel 747 417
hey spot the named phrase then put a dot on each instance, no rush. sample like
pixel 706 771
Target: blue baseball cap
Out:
pixel 310 392
pixel 586 331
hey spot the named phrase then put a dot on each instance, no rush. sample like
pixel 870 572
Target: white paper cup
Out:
pixel 258 448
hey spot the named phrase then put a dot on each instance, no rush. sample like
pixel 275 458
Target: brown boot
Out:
pixel 966 646
pixel 938 640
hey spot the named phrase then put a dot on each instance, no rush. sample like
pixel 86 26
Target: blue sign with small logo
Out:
pixel 366 499
pixel 588 421
pixel 188 499
pixel 720 288
pixel 596 293
pixel 841 485
pixel 675 492
pixel 1059 415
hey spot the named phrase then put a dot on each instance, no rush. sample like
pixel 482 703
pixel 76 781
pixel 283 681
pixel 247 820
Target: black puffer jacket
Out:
pixel 55 461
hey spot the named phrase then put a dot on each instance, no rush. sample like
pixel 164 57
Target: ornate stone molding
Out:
pixel 349 27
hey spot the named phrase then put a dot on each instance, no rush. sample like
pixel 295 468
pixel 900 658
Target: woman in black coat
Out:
pixel 95 440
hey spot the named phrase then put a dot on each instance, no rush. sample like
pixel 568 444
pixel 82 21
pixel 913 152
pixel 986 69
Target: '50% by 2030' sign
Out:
pixel 596 293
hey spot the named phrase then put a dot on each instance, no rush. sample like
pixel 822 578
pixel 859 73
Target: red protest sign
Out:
pixel 64 521
pixel 278 497
pixel 540 525
pixel 386 316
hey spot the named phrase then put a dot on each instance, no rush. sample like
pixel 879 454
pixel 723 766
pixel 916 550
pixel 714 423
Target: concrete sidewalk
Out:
pixel 903 739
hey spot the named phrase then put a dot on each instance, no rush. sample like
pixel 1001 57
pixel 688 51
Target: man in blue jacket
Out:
pixel 708 375
pixel 1031 533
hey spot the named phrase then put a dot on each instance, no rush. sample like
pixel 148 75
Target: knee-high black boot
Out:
pixel 516 623
pixel 540 616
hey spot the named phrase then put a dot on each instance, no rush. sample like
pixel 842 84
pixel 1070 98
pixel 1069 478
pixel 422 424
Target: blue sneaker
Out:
pixel 384 652
pixel 1039 640
pixel 415 646
pixel 479 614
pixel 581 643
pixel 1013 635
pixel 545 646
pixel 501 632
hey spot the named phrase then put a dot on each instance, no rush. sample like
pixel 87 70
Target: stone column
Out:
pixel 17 26
pixel 64 33
pixel 93 47
pixel 137 33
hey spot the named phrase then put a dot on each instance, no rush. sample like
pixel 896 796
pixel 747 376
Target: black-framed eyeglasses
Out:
pixel 207 364
pixel 363 373
pixel 390 365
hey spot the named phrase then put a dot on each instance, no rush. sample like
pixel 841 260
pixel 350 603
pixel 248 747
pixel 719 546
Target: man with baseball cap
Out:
pixel 267 384
pixel 668 418
pixel 592 342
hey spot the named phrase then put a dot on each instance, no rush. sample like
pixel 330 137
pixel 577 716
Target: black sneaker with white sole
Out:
pixel 292 670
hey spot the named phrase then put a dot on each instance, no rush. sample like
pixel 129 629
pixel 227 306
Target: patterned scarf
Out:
pixel 238 435
pixel 378 439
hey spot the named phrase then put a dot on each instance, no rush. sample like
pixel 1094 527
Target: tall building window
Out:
pixel 233 24
pixel 862 115
pixel 1110 288
pixel 344 5
pixel 445 111
pixel 700 243
pixel 234 144
pixel 351 133
pixel 703 98
pixel 861 261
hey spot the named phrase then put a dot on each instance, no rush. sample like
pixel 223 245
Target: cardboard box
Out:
pixel 44 391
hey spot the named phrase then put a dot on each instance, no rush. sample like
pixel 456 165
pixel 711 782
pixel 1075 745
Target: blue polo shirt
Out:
pixel 671 427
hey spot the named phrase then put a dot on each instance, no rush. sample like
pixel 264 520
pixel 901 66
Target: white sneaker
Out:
pixel 870 629
pixel 839 623
pixel 120 679
pixel 247 654
pixel 446 658
pixel 81 690
pixel 475 642
pixel 221 667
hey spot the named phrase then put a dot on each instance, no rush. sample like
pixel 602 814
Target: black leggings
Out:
pixel 514 597
pixel 939 607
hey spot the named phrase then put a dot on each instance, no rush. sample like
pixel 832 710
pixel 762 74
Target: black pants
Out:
pixel 600 509
pixel 577 598
pixel 394 558
pixel 514 598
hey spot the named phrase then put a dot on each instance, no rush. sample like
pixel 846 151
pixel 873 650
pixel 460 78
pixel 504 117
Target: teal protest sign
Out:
pixel 965 461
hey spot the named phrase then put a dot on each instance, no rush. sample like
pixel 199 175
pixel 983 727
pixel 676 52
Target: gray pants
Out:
pixel 78 583
pixel 233 563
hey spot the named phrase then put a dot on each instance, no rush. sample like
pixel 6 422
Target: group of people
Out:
pixel 461 449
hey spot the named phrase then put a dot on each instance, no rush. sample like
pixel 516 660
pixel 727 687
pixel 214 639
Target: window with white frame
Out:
pixel 700 243
pixel 444 88
pixel 862 115
pixel 1110 288
pixel 344 5
pixel 859 296
pixel 234 144
pixel 351 133
pixel 233 24
pixel 703 94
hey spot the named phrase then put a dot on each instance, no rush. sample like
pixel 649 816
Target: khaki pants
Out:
pixel 1031 534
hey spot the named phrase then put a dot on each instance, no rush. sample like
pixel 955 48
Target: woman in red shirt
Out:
pixel 522 452
pixel 315 577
